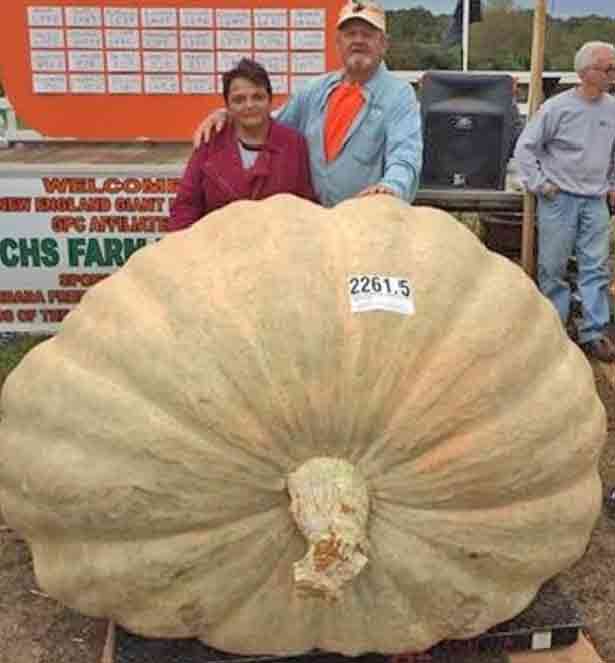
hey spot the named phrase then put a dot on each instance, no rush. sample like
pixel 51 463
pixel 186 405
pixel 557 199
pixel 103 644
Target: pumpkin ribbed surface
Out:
pixel 149 451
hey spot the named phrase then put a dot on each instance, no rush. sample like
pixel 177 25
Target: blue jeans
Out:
pixel 570 224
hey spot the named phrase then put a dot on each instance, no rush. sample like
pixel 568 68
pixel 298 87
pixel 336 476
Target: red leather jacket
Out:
pixel 215 176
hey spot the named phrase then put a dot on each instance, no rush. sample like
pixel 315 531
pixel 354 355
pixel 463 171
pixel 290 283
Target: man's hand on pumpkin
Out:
pixel 374 189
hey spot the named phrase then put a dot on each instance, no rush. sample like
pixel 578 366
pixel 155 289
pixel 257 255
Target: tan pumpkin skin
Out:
pixel 145 449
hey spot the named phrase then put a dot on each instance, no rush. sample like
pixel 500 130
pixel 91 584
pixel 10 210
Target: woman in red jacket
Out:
pixel 252 158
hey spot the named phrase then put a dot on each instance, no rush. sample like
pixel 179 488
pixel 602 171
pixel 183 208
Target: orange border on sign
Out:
pixel 121 116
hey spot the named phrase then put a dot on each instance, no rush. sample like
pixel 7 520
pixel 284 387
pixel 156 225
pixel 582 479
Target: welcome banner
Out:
pixel 60 235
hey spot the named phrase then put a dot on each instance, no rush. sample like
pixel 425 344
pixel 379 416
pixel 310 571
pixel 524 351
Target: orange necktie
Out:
pixel 343 107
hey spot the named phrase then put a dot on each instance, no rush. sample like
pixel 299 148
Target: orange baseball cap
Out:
pixel 367 11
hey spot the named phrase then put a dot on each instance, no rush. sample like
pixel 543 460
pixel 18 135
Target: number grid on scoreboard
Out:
pixel 98 50
pixel 89 79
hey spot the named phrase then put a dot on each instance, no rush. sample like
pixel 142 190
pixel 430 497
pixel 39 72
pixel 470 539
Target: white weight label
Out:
pixel 380 292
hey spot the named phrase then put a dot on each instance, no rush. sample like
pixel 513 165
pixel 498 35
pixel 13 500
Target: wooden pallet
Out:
pixel 579 652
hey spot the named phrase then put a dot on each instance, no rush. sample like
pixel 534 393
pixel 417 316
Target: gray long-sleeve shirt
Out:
pixel 570 142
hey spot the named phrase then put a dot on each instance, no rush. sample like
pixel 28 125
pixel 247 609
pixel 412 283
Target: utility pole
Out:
pixel 465 40
pixel 528 233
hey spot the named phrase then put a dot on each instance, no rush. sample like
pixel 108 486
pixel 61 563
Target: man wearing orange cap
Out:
pixel 362 124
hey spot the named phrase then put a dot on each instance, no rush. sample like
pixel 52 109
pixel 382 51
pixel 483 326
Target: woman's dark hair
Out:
pixel 251 71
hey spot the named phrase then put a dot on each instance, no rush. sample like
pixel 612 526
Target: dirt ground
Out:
pixel 36 629
pixel 592 580
pixel 33 627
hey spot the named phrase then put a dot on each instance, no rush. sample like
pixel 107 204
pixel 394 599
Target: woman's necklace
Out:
pixel 251 147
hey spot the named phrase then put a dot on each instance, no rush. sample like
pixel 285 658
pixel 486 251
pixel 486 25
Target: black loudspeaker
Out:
pixel 467 129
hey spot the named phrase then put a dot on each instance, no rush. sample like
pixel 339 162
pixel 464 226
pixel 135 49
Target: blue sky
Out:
pixel 559 8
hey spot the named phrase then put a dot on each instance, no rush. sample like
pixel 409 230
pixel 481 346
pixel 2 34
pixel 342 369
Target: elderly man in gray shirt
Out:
pixel 566 157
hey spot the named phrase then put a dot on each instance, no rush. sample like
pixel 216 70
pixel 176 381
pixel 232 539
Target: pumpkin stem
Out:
pixel 330 504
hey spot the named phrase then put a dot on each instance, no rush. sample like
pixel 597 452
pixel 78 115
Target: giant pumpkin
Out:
pixel 228 438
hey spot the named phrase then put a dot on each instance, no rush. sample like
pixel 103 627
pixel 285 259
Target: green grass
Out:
pixel 14 351
pixel 471 221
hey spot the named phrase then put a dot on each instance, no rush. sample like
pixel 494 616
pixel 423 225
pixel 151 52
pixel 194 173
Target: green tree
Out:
pixel 502 41
pixel 501 5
